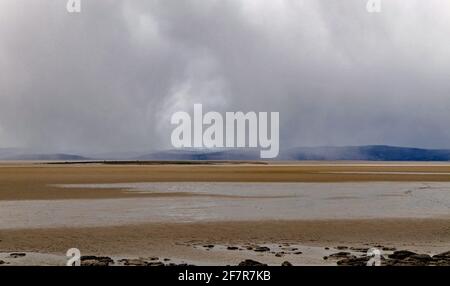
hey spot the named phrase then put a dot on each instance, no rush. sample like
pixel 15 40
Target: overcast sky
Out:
pixel 109 78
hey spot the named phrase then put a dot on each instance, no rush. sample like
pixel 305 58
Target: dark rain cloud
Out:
pixel 108 79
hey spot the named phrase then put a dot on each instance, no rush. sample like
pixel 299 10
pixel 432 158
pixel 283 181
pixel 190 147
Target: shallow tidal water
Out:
pixel 199 202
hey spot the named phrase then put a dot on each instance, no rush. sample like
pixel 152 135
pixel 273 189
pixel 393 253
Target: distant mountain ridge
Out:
pixel 327 153
pixel 367 153
pixel 348 153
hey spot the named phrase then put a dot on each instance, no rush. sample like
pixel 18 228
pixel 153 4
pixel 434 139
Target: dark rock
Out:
pixel 399 262
pixel 443 256
pixel 388 248
pixel 341 247
pixel 279 254
pixel 398 258
pixel 298 252
pixel 249 262
pixel 208 246
pixel 172 264
pixel 340 255
pixel 327 248
pixel 96 261
pixel 155 264
pixel 232 248
pixel 359 261
pixel 2 262
pixel 17 254
pixel 440 262
pixel 325 257
pixel 360 249
pixel 166 259
pixel 401 254
pixel 262 249
pixel 286 263
pixel 420 257
pixel 134 262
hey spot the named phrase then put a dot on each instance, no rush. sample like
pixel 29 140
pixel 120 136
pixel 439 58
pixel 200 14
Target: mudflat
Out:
pixel 35 181
pixel 315 213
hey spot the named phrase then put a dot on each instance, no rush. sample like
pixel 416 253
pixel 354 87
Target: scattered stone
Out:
pixel 359 261
pixel 359 249
pixel 261 249
pixel 341 254
pixel 420 257
pixel 402 258
pixel 2 262
pixel 341 247
pixel 183 264
pixel 96 261
pixel 325 257
pixel 443 256
pixel 279 254
pixel 17 254
pixel 174 264
pixel 249 262
pixel 388 248
pixel 134 262
pixel 327 248
pixel 286 263
pixel 401 254
pixel 208 246
pixel 440 262
pixel 166 259
pixel 159 263
pixel 298 252
pixel 232 248
pixel 153 258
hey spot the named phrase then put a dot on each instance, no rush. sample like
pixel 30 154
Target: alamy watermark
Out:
pixel 375 257
pixel 211 130
pixel 373 6
pixel 73 6
pixel 74 257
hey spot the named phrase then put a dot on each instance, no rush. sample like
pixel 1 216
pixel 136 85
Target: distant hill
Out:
pixel 350 153
pixel 45 157
pixel 203 154
pixel 367 153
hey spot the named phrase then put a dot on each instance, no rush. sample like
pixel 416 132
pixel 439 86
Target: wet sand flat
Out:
pixel 36 181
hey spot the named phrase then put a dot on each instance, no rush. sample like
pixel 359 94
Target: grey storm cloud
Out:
pixel 109 78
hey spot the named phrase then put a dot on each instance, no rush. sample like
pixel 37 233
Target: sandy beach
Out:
pixel 222 214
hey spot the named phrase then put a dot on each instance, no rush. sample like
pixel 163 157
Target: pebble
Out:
pixel 17 254
pixel 286 263
pixel 262 249
pixel 96 261
pixel 249 262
